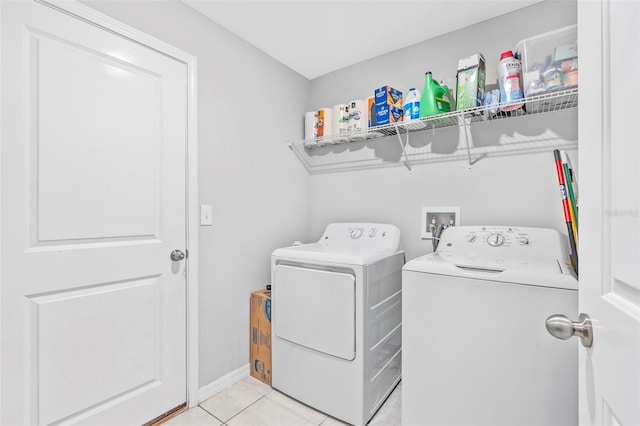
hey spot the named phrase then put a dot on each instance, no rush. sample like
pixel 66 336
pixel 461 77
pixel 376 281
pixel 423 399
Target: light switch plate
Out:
pixel 441 215
pixel 206 215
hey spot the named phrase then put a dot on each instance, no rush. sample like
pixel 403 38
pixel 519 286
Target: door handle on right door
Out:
pixel 561 327
pixel 177 255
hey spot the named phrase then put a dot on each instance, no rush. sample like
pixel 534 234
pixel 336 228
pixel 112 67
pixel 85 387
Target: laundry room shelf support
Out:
pixel 467 131
pixel 404 151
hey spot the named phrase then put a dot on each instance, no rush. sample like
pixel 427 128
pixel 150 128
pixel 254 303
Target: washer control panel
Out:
pixel 496 236
pixel 504 240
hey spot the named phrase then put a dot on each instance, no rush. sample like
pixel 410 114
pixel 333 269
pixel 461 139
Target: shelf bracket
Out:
pixel 404 152
pixel 466 123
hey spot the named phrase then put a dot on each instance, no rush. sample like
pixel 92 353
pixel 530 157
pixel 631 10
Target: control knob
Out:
pixel 356 233
pixel 523 241
pixel 495 240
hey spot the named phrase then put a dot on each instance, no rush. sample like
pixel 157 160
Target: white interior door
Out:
pixel 609 117
pixel 93 202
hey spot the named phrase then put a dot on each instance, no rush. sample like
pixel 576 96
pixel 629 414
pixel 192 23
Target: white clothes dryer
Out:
pixel 337 311
pixel 475 347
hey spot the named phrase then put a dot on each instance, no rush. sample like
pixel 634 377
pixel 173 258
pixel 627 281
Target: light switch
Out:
pixel 206 215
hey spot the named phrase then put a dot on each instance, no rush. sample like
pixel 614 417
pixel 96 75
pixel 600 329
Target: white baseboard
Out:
pixel 223 382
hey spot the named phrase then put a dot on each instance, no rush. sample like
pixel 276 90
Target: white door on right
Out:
pixel 609 116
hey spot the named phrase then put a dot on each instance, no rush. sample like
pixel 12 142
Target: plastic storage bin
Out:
pixel 549 61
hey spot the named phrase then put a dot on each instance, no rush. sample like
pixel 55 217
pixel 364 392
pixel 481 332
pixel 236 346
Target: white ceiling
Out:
pixel 316 37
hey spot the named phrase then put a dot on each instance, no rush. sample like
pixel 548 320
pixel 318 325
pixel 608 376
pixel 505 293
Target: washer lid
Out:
pixel 348 243
pixel 544 272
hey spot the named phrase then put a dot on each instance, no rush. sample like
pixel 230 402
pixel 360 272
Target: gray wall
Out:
pixel 510 190
pixel 258 192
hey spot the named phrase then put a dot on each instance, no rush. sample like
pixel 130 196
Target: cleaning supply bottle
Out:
pixel 435 98
pixel 509 76
pixel 412 105
pixel 449 92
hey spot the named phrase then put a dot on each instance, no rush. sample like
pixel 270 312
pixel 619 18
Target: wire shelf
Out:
pixel 359 150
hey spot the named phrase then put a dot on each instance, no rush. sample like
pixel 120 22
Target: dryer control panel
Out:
pixel 504 241
pixel 364 236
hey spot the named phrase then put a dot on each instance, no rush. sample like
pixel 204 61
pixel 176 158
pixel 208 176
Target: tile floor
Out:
pixel 252 403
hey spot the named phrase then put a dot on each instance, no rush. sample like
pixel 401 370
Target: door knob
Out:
pixel 561 327
pixel 177 255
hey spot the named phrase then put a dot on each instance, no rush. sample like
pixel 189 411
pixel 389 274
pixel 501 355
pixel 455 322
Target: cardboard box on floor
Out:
pixel 260 336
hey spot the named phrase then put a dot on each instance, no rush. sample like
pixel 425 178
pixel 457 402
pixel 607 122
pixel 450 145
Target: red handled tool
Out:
pixel 566 208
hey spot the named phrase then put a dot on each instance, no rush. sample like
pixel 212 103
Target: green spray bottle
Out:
pixel 435 98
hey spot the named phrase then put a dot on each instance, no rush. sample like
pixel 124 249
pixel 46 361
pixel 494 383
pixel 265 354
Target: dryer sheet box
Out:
pixel 260 336
pixel 470 82
pixel 387 95
pixel 388 115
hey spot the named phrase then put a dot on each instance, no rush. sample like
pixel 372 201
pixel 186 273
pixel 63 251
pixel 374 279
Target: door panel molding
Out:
pixel 74 322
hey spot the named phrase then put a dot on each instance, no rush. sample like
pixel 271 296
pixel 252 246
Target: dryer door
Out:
pixel 315 309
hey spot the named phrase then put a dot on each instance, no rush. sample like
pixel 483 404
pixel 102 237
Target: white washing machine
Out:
pixel 337 311
pixel 475 347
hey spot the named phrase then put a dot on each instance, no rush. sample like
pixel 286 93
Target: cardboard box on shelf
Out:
pixel 387 95
pixel 386 115
pixel 260 336
pixel 371 111
pixel 470 82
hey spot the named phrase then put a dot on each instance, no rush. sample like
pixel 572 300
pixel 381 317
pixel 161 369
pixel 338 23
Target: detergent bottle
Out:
pixel 435 98
pixel 412 105
pixel 509 75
